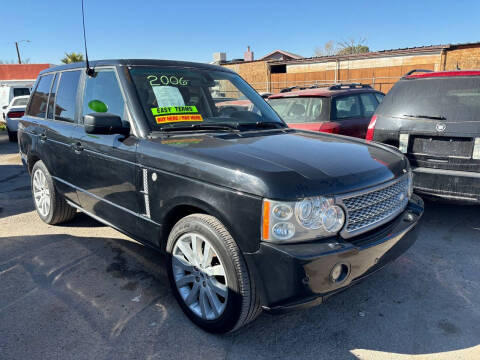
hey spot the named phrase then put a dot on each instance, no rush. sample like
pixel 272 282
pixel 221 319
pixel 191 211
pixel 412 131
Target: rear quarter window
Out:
pixel 38 103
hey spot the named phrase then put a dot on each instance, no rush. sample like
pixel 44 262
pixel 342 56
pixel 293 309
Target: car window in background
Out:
pixel 21 91
pixel 370 103
pixel 178 97
pixel 346 107
pixel 51 99
pixel 299 109
pixel 38 105
pixel 455 98
pixel 379 97
pixel 103 94
pixel 20 102
pixel 66 96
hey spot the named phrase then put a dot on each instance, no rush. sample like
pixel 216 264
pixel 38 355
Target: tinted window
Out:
pixel 66 96
pixel 103 88
pixel 346 107
pixel 21 91
pixel 456 98
pixel 51 99
pixel 38 105
pixel 379 97
pixel 370 104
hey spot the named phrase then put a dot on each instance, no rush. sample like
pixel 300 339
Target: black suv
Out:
pixel 251 214
pixel 434 118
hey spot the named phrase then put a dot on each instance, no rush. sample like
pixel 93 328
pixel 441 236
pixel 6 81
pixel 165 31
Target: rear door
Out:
pixel 347 113
pixel 369 105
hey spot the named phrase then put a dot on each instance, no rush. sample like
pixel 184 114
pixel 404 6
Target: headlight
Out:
pixel 310 218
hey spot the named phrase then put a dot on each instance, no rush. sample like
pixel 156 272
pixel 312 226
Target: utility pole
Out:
pixel 18 53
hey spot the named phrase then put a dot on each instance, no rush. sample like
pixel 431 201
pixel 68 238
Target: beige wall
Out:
pixel 467 57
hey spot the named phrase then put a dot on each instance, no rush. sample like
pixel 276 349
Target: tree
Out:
pixel 352 46
pixel 72 57
pixel 328 49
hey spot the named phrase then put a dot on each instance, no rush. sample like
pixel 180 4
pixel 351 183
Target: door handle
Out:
pixel 77 147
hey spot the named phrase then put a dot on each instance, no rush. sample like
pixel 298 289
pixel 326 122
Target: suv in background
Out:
pixel 434 118
pixel 344 109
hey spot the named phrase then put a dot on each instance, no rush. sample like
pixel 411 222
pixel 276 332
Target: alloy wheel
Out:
pixel 200 276
pixel 41 192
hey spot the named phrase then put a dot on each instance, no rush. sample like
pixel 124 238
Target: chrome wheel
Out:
pixel 41 192
pixel 200 276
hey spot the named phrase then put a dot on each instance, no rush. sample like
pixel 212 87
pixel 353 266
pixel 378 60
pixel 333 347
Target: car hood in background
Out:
pixel 288 164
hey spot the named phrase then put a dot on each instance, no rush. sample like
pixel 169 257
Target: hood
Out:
pixel 289 164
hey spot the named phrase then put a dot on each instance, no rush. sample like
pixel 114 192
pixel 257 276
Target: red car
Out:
pixel 343 109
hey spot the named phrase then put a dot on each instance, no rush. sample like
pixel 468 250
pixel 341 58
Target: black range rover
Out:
pixel 251 214
pixel 434 118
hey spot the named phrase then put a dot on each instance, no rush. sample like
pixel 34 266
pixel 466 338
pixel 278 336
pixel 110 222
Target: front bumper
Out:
pixel 299 275
pixel 447 184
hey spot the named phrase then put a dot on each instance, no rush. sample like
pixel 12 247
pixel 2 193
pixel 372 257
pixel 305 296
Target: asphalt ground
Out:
pixel 84 291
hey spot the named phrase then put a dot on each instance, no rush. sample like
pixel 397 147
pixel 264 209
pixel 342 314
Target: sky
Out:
pixel 194 30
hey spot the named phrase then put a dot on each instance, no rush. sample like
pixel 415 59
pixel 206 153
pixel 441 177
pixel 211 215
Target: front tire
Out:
pixel 51 205
pixel 208 275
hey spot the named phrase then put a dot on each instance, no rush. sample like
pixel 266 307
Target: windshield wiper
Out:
pixel 228 127
pixel 440 117
pixel 265 124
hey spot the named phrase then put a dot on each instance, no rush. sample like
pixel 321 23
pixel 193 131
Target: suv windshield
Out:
pixel 300 109
pixel 453 99
pixel 179 98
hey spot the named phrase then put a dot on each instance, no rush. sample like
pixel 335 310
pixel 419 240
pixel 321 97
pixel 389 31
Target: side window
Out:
pixel 51 99
pixel 369 104
pixel 346 107
pixel 103 94
pixel 21 92
pixel 379 97
pixel 66 96
pixel 38 103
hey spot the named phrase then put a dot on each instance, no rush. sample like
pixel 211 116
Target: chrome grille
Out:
pixel 373 208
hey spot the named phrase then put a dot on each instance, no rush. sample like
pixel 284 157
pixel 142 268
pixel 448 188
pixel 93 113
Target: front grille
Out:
pixel 373 208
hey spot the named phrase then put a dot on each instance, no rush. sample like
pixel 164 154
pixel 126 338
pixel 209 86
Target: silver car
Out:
pixel 13 113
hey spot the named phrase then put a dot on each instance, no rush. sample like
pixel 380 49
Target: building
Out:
pixel 281 55
pixel 13 74
pixel 380 69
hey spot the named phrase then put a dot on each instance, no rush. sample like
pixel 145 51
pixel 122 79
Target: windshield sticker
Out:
pixel 168 96
pixel 171 110
pixel 167 80
pixel 177 118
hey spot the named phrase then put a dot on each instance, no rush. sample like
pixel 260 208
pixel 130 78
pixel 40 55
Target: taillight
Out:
pixel 329 127
pixel 15 114
pixel 371 128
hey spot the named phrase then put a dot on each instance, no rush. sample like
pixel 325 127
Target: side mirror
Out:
pixel 104 124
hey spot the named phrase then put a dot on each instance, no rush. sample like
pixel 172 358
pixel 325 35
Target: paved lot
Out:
pixel 85 291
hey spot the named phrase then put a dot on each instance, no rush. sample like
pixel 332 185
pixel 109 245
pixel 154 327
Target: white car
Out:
pixel 14 111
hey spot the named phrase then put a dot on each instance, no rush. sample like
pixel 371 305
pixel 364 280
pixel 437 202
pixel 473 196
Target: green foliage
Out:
pixel 346 47
pixel 72 58
pixel 3 127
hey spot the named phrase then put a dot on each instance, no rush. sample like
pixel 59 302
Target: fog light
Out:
pixel 476 149
pixel 339 273
pixel 403 143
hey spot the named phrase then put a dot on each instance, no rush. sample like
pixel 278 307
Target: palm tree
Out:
pixel 72 57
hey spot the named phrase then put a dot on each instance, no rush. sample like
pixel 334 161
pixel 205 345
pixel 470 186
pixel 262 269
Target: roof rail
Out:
pixel 288 89
pixel 349 86
pixel 416 70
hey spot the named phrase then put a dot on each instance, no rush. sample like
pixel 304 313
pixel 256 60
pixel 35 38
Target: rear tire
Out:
pixel 51 205
pixel 191 274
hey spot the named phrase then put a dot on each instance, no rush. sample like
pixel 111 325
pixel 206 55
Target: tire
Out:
pixel 12 137
pixel 241 304
pixel 58 210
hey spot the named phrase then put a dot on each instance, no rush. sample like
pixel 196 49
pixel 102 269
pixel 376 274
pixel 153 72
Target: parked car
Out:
pixel 251 214
pixel 343 109
pixel 8 92
pixel 14 111
pixel 434 118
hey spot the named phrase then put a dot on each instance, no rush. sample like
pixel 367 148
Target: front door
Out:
pixel 107 171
